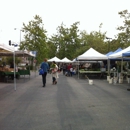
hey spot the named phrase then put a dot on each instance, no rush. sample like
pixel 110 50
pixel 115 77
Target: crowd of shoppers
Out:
pixel 68 69
pixel 54 68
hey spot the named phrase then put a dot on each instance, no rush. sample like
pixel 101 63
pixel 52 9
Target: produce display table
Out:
pixel 99 74
pixel 24 72
pixel 90 72
pixel 5 75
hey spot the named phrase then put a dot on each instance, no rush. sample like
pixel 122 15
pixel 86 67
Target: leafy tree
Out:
pixel 114 44
pixel 52 49
pixel 66 40
pixel 35 38
pixel 124 35
pixel 94 39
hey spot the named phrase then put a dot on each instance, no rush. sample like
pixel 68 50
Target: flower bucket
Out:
pixel 120 80
pixel 115 80
pixel 110 81
pixel 108 77
pixel 90 82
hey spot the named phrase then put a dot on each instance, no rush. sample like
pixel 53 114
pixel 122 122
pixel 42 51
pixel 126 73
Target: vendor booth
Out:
pixel 6 72
pixel 92 55
pixel 122 56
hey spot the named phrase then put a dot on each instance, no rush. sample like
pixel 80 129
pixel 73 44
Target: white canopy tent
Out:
pixel 9 51
pixel 18 54
pixel 92 54
pixel 54 59
pixel 6 51
pixel 66 60
pixel 4 48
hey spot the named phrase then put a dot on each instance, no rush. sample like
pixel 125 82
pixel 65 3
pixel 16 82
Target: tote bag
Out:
pixel 41 72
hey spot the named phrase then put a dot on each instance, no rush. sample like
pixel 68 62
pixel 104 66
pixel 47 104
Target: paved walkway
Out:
pixel 72 104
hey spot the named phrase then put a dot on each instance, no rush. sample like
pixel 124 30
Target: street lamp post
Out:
pixel 109 43
pixel 15 45
pixel 108 61
pixel 20 37
pixel 20 34
pixel 14 67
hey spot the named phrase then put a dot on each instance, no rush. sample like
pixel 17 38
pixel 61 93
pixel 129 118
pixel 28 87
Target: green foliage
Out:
pixel 124 35
pixel 10 60
pixel 52 65
pixel 52 49
pixel 66 40
pixel 69 41
pixel 31 67
pixel 94 39
pixel 35 38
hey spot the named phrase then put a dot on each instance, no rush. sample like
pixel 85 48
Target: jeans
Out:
pixel 53 79
pixel 44 78
pixel 69 74
pixel 64 70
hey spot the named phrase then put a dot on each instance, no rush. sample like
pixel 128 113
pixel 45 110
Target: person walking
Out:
pixel 68 69
pixel 54 73
pixel 45 67
pixel 64 68
pixel 71 71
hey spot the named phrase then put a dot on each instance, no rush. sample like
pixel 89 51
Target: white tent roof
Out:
pixel 54 59
pixel 119 54
pixel 17 53
pixel 4 48
pixel 92 54
pixel 66 60
pixel 8 51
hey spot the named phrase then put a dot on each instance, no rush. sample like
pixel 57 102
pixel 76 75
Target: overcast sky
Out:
pixel 90 13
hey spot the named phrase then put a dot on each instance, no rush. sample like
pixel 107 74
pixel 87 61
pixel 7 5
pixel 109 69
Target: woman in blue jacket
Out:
pixel 45 67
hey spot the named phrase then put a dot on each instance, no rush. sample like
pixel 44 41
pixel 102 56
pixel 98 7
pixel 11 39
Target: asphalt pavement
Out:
pixel 71 104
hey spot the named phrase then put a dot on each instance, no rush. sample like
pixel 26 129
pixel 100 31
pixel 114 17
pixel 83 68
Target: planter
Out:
pixel 115 80
pixel 120 80
pixel 110 81
pixel 108 77
pixel 128 79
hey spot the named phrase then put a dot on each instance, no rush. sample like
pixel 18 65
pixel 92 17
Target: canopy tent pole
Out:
pixel 78 69
pixel 108 66
pixel 122 65
pixel 14 71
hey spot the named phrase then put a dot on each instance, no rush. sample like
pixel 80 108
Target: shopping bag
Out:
pixel 41 72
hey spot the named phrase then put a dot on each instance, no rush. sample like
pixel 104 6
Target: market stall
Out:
pixel 91 55
pixel 9 73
